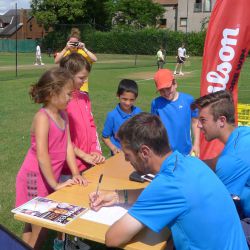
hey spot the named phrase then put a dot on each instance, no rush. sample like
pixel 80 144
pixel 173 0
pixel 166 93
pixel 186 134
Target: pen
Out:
pixel 99 182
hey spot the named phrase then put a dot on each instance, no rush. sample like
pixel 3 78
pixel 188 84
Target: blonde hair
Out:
pixel 74 63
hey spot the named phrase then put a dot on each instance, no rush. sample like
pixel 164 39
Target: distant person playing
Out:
pixel 232 166
pixel 50 149
pixel 174 109
pixel 81 121
pixel 127 93
pixel 38 56
pixel 184 196
pixel 160 58
pixel 181 57
pixel 75 45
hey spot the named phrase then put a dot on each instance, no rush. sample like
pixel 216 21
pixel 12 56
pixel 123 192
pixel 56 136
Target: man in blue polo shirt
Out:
pixel 232 166
pixel 173 108
pixel 127 93
pixel 185 194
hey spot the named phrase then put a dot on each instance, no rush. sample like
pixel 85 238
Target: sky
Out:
pixel 5 5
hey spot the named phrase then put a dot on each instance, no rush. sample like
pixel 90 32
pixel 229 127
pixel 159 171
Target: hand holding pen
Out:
pixel 98 185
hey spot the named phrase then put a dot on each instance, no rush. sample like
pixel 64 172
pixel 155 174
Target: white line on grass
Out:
pixel 143 80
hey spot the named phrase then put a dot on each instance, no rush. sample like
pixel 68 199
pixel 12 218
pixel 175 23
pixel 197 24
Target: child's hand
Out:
pixel 67 183
pixel 90 159
pixel 195 151
pixel 115 150
pixel 98 158
pixel 79 179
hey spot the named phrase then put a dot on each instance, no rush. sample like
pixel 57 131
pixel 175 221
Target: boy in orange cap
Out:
pixel 173 108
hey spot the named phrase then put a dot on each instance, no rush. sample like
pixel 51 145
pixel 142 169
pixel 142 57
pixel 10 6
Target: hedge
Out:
pixel 143 42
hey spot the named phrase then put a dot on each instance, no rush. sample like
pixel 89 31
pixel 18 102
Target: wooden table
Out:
pixel 115 176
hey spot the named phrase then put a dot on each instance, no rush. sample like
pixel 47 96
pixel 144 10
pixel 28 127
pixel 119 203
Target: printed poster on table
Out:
pixel 50 211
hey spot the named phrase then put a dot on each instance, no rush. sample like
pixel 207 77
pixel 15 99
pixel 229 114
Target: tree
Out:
pixel 136 13
pixel 97 14
pixel 51 12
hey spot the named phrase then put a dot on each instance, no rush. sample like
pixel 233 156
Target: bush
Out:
pixel 142 42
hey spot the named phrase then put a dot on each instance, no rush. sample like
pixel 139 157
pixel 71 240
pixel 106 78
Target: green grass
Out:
pixel 17 110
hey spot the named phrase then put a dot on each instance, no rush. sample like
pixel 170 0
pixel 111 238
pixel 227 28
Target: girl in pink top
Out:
pixel 50 147
pixel 81 122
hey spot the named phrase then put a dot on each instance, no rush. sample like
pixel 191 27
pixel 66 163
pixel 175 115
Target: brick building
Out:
pixel 26 26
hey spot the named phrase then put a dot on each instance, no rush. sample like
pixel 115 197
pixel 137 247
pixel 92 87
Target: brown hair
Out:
pixel 51 82
pixel 220 104
pixel 75 32
pixel 74 63
pixel 145 129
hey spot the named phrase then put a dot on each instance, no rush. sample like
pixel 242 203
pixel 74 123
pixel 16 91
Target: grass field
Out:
pixel 17 110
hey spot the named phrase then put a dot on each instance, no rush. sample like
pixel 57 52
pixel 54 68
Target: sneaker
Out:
pixel 82 245
pixel 42 64
pixel 58 244
pixel 76 244
pixel 175 73
pixel 36 64
pixel 181 74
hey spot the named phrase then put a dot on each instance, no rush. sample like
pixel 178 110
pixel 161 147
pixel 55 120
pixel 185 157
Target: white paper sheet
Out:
pixel 106 215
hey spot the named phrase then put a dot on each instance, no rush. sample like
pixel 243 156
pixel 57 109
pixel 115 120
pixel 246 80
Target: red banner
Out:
pixel 226 47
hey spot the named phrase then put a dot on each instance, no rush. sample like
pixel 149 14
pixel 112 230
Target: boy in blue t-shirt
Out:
pixel 174 110
pixel 127 93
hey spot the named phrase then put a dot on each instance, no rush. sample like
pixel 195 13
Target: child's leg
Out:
pixel 37 236
pixel 63 178
pixel 27 232
pixel 176 68
pixel 181 68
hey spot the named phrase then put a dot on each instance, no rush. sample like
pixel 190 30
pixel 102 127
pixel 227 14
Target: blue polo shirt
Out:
pixel 233 166
pixel 177 119
pixel 114 120
pixel 187 197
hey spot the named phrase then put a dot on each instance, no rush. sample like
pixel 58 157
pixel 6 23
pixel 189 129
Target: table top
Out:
pixel 115 172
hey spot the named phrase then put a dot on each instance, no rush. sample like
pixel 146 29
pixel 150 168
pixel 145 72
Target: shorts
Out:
pixel 182 60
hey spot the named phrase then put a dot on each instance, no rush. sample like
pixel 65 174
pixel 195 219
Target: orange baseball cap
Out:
pixel 163 78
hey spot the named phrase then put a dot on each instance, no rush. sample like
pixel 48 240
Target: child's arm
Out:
pixel 40 127
pixel 90 54
pixel 71 160
pixel 60 55
pixel 110 145
pixel 95 149
pixel 196 135
pixel 92 158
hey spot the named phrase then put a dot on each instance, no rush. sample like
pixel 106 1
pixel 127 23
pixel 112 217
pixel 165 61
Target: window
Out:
pixel 207 6
pixel 198 6
pixel 163 22
pixel 183 22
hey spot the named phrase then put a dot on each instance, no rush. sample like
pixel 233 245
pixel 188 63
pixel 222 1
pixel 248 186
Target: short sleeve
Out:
pixel 159 205
pixel 108 126
pixel 153 108
pixel 195 112
pixel 233 172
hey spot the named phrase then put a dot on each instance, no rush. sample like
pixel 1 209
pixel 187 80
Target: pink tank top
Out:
pixel 57 147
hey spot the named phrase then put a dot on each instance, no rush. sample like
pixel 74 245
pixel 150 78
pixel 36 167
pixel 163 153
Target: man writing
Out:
pixel 185 195
pixel 232 166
